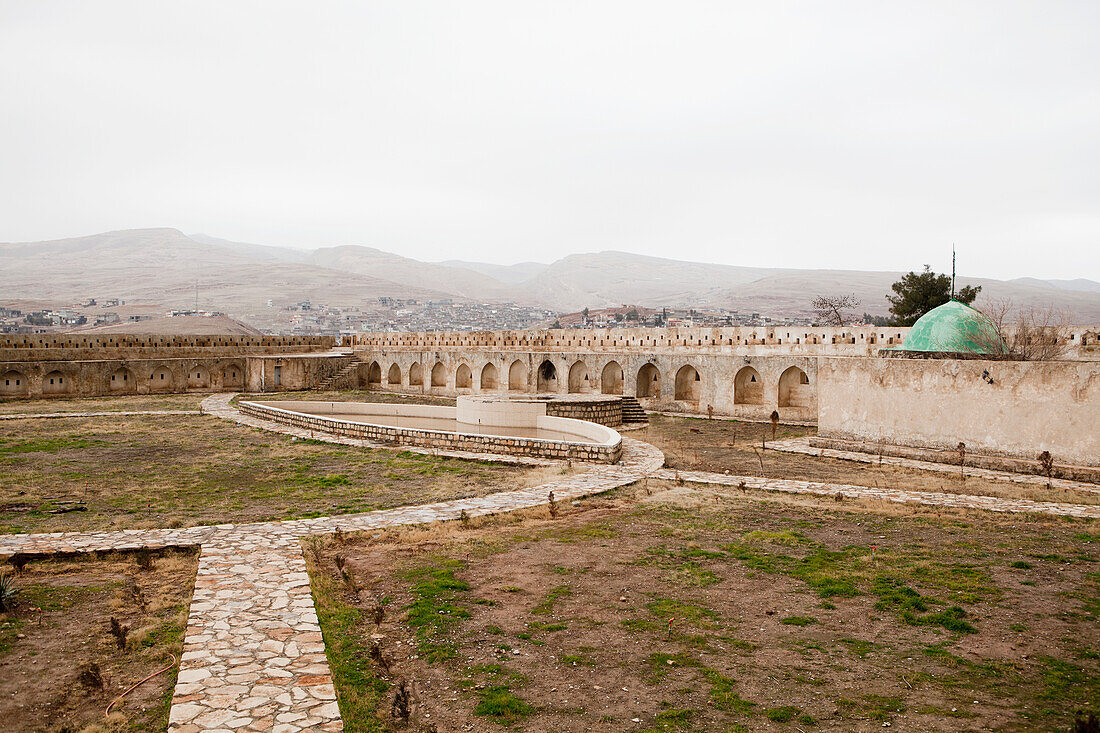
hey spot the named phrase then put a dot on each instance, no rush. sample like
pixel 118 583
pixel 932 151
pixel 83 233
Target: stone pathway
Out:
pixel 928 498
pixel 254 658
pixel 802 445
pixel 54 415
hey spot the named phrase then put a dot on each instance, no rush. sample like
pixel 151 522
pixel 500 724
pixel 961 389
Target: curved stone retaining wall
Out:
pixel 608 451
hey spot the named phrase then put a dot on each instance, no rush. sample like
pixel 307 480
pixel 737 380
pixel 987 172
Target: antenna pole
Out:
pixel 952 271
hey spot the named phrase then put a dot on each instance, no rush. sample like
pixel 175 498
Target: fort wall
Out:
pixel 1007 408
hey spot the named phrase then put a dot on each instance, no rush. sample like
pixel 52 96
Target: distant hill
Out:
pixel 181 326
pixel 1081 284
pixel 455 281
pixel 162 266
pixel 510 274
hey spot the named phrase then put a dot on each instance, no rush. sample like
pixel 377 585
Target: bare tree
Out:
pixel 830 308
pixel 1033 333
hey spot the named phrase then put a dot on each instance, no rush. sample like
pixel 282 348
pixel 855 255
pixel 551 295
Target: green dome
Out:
pixel 954 328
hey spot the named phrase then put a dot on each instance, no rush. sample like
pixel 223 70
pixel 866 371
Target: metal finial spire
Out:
pixel 952 271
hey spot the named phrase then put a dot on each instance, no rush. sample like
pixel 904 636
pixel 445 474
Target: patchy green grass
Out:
pixel 546 606
pixel 500 704
pixel 434 611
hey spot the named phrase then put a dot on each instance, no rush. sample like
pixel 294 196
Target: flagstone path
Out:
pixel 846 491
pixel 802 445
pixel 254 658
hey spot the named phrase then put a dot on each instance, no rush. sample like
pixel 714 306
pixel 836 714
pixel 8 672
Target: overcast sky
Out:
pixel 810 134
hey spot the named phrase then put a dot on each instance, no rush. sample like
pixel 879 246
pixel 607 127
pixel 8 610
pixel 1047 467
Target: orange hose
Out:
pixel 138 684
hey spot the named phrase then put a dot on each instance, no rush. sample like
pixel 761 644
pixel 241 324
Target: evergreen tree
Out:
pixel 918 293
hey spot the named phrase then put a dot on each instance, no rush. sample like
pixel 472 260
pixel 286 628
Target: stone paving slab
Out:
pixel 929 498
pixel 802 445
pixel 55 415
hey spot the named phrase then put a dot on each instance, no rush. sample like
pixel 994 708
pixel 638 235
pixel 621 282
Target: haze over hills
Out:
pixel 162 266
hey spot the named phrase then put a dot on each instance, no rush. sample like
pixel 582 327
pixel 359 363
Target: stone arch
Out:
pixel 233 375
pixel 439 375
pixel 56 383
pixel 611 378
pixel 578 377
pixel 794 388
pixel 416 375
pixel 161 379
pixel 649 381
pixel 547 377
pixel 489 376
pixel 689 384
pixel 517 376
pixel 121 380
pixel 464 377
pixel 393 376
pixel 14 384
pixel 198 377
pixel 374 374
pixel 748 387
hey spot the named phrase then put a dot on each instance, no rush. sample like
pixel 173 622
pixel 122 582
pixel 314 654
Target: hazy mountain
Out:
pixel 603 279
pixel 510 274
pixel 263 252
pixel 162 266
pixel 1081 284
pixel 456 281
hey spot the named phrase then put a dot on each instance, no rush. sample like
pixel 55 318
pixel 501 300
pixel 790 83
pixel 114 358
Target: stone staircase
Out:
pixel 633 414
pixel 346 378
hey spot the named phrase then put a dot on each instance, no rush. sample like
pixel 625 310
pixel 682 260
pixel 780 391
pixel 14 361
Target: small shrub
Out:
pixel 91 677
pixel 120 632
pixel 144 558
pixel 8 592
pixel 1022 565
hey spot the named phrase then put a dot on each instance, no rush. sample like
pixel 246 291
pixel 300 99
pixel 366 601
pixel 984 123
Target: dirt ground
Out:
pixel 669 608
pixel 157 471
pixel 698 444
pixel 47 656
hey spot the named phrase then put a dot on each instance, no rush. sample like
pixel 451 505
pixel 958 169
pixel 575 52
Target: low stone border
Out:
pixel 802 445
pixel 437 439
pixel 219 406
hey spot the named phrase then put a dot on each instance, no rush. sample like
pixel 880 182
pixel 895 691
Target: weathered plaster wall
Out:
pixel 1028 407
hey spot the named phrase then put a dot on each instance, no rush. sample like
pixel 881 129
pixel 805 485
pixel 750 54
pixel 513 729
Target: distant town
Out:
pixel 386 314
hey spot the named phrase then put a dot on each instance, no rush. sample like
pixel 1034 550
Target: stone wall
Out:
pixel 91 378
pixel 684 379
pixel 787 339
pixel 440 440
pixel 601 412
pixel 79 347
pixel 1015 409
